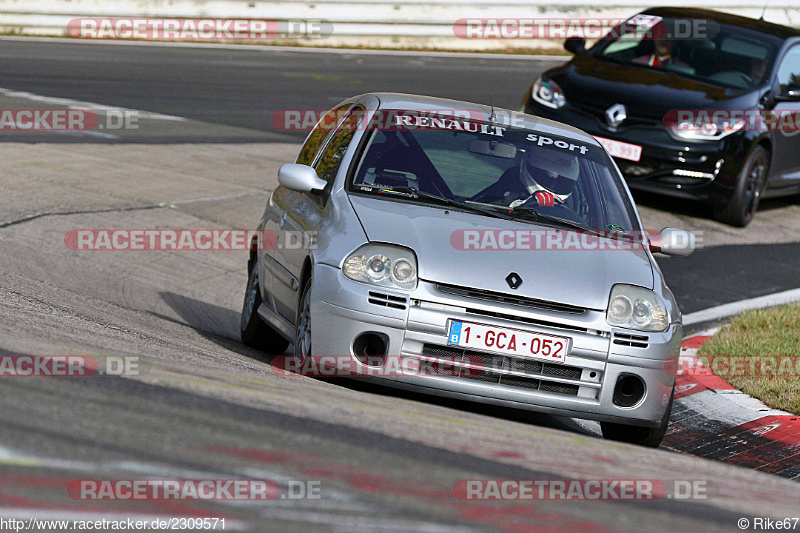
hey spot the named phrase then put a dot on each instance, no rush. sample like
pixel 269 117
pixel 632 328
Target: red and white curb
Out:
pixel 713 419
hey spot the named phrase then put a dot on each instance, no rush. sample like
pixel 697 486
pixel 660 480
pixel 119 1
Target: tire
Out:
pixel 254 331
pixel 302 333
pixel 740 210
pixel 643 436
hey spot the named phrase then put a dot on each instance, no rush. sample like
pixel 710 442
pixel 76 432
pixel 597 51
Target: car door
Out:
pixel 275 279
pixel 303 213
pixel 786 144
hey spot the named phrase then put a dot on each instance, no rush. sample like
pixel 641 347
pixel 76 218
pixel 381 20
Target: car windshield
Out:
pixel 714 53
pixel 507 172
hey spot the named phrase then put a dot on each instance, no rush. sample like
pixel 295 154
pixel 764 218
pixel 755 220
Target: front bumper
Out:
pixel 699 171
pixel 416 327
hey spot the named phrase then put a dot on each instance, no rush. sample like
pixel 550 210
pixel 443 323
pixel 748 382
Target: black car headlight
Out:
pixel 382 264
pixel 633 307
pixel 548 93
pixel 704 130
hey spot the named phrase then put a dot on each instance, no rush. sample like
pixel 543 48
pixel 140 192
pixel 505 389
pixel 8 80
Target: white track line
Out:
pixel 734 308
pixel 78 104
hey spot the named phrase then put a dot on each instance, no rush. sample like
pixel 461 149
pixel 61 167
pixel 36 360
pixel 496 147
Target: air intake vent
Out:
pixel 634 341
pixel 387 300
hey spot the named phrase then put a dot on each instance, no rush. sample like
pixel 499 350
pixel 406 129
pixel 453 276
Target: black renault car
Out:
pixel 630 89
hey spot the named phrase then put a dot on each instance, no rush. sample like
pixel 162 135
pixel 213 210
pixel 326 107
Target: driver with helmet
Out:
pixel 545 177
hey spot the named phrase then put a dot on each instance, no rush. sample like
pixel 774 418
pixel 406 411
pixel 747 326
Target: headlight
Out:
pixel 547 92
pixel 704 131
pixel 636 308
pixel 382 264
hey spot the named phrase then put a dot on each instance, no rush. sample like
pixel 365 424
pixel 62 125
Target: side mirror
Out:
pixel 792 94
pixel 300 178
pixel 673 241
pixel 575 45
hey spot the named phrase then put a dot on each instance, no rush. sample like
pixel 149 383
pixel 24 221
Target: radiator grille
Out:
pixel 505 299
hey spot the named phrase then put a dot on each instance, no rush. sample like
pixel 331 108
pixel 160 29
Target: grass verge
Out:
pixel 759 353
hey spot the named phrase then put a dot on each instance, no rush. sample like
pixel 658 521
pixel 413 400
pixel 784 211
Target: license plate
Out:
pixel 631 152
pixel 508 341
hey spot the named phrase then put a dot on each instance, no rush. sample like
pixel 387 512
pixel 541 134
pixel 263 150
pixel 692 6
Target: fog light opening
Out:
pixel 629 391
pixel 370 349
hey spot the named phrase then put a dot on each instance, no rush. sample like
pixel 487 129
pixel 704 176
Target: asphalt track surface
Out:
pixel 201 405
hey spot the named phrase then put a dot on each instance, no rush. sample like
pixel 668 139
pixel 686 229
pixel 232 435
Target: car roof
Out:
pixel 758 25
pixel 505 117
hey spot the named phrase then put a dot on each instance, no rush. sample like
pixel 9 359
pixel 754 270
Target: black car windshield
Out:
pixel 495 170
pixel 714 53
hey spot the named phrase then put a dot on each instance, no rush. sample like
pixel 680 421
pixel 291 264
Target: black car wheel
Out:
pixel 254 331
pixel 643 436
pixel 739 211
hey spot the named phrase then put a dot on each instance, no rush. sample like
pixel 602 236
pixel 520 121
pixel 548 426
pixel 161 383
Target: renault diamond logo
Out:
pixel 514 280
pixel 615 115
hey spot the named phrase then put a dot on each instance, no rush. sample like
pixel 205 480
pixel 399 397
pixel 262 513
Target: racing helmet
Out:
pixel 553 170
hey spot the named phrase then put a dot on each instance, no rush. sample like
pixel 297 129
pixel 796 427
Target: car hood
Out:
pixel 646 92
pixel 580 278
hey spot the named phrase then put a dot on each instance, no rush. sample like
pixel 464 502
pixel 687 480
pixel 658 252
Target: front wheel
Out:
pixel 740 210
pixel 254 331
pixel 643 436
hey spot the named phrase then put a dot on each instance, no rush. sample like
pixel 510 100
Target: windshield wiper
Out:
pixel 450 203
pixel 538 216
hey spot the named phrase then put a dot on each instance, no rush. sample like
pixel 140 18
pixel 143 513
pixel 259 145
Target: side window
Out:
pixel 318 135
pixel 331 159
pixel 789 71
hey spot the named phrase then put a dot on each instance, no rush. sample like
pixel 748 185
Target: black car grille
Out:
pixel 506 299
pixel 645 167
pixel 658 170
pixel 515 318
pixel 491 368
pixel 600 115
pixel 635 170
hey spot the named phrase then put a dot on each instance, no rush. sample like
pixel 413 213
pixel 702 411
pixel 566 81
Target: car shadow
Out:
pixel 218 324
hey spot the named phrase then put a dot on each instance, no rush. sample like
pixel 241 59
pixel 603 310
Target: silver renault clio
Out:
pixel 476 253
